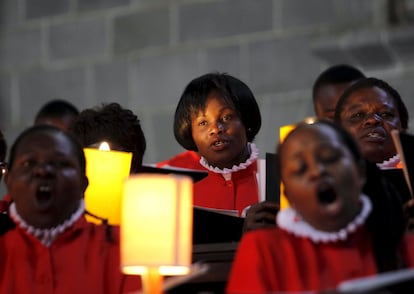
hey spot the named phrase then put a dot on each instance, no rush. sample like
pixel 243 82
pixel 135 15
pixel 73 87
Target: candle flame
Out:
pixel 104 146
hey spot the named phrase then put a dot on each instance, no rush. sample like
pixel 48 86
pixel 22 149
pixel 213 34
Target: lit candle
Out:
pixel 156 231
pixel 106 171
pixel 283 132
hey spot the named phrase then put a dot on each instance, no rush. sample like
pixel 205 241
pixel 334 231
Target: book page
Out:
pixel 397 142
pixel 261 179
pixel 376 282
pixel 229 212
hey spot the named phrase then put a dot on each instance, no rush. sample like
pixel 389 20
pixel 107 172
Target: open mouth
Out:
pixel 375 134
pixel 219 145
pixel 326 194
pixel 43 193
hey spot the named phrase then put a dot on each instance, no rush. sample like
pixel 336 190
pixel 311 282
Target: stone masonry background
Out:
pixel 142 53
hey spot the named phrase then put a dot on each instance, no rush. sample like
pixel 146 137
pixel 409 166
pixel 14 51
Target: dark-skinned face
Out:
pixel 219 134
pixel 321 177
pixel 45 180
pixel 370 114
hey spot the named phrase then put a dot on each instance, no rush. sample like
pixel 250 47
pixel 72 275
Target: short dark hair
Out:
pixel 57 108
pixel 232 90
pixel 77 148
pixel 336 74
pixel 111 122
pixel 3 147
pixel 370 83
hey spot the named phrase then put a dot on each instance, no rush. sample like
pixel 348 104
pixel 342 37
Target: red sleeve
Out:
pixel 186 159
pixel 246 275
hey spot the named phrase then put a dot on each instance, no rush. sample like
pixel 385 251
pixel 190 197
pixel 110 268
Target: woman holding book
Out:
pixel 216 120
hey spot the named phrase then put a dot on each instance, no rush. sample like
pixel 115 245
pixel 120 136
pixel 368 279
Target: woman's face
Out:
pixel 370 114
pixel 46 181
pixel 321 178
pixel 219 134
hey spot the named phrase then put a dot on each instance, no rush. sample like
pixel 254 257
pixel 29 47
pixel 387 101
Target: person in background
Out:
pixel 331 231
pixel 57 112
pixel 48 246
pixel 370 109
pixel 218 117
pixel 114 124
pixel 330 85
pixel 326 90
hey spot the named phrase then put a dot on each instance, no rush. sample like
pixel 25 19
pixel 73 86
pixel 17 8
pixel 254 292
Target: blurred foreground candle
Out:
pixel 283 132
pixel 106 171
pixel 156 230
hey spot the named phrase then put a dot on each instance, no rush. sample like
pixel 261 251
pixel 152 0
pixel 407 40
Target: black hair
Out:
pixel 3 147
pixel 370 83
pixel 115 124
pixel 3 153
pixel 77 148
pixel 57 108
pixel 386 223
pixel 336 74
pixel 232 90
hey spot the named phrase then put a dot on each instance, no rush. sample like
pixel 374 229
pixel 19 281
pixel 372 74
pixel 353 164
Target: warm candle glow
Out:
pixel 104 147
pixel 106 172
pixel 283 132
pixel 156 230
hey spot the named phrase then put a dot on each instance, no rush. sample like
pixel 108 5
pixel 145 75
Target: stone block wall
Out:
pixel 142 53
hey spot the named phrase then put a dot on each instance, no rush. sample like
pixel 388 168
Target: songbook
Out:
pixel 210 226
pixel 196 175
pixel 396 177
pixel 399 281
pixel 404 144
pixel 230 212
pixel 272 177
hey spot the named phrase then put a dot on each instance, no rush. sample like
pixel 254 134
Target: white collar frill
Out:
pixel 289 220
pixel 389 163
pixel 226 172
pixel 46 236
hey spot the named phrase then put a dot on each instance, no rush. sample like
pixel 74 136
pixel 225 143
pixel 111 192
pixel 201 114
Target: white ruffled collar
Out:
pixel 389 163
pixel 289 220
pixel 254 154
pixel 46 236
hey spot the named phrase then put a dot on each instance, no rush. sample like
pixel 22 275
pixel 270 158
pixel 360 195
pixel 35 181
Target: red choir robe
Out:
pixel 186 159
pixel 214 191
pixel 80 260
pixel 273 260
